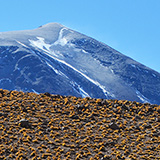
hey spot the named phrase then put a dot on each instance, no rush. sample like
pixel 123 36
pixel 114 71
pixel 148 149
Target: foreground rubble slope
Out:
pixel 45 126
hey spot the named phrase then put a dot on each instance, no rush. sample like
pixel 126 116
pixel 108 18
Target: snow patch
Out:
pixel 84 51
pixel 133 65
pixel 112 71
pixel 83 93
pixel 77 50
pixel 61 40
pixel 35 91
pixel 56 71
pixel 141 97
pixel 40 43
pixel 5 79
pixel 88 78
pixel 146 71
pixel 107 93
pixel 154 75
pixel 79 89
pixel 22 44
pixel 82 70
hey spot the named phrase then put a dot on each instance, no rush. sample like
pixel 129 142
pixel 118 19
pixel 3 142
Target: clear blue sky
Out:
pixel 129 26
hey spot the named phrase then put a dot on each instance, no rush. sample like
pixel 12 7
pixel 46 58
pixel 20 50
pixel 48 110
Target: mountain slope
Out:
pixel 56 59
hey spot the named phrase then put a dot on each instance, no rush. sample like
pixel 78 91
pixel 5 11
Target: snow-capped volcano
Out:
pixel 56 59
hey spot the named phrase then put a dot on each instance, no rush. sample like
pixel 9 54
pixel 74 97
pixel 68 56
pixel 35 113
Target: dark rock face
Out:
pixel 57 60
pixel 138 76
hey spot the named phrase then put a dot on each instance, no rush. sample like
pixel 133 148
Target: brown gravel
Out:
pixel 44 126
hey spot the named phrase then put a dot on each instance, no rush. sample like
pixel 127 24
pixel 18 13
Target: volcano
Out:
pixel 59 60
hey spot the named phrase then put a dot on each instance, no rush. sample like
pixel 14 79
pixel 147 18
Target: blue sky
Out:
pixel 129 26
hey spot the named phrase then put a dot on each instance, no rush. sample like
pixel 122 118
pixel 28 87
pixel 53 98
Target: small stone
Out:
pixel 150 109
pixel 24 110
pixel 24 123
pixel 47 94
pixel 158 110
pixel 2 92
pixel 113 126
pixel 137 128
pixel 104 102
pixel 2 114
pixel 80 107
pixel 157 119
pixel 124 107
pixel 137 117
pixel 75 117
pixel 48 130
pixel 156 134
pixel 147 126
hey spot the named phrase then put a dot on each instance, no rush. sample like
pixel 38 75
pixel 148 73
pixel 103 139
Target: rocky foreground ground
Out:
pixel 44 126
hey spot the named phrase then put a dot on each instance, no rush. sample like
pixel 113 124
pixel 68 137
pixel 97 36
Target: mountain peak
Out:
pixel 58 60
pixel 51 24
